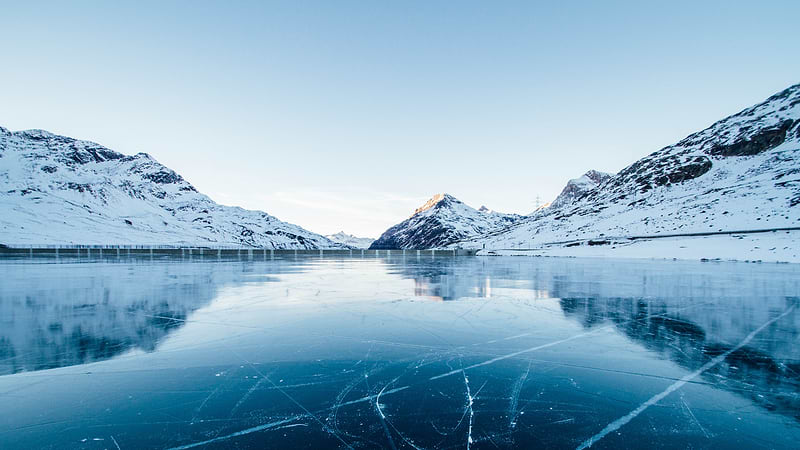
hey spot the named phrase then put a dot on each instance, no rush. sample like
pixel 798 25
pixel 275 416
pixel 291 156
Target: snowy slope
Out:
pixel 742 173
pixel 350 240
pixel 59 190
pixel 441 221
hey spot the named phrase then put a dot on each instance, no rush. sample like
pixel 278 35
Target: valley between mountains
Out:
pixel 730 191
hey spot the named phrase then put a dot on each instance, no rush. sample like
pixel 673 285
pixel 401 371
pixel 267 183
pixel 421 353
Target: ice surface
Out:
pixel 404 352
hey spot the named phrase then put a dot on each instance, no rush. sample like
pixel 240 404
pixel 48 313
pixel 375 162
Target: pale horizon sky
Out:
pixel 348 115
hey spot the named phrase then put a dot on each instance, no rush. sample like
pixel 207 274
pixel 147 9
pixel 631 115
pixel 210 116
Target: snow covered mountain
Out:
pixel 59 190
pixel 741 173
pixel 440 221
pixel 576 187
pixel 350 240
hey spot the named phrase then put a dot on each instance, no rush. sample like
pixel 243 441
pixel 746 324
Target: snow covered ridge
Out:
pixel 59 190
pixel 576 187
pixel 350 240
pixel 440 221
pixel 742 173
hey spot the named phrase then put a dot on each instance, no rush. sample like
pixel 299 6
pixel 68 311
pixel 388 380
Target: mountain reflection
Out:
pixel 56 315
pixel 446 287
pixel 684 312
pixel 443 279
pixel 764 370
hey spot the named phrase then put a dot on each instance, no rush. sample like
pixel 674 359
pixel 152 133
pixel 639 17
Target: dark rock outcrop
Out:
pixel 763 140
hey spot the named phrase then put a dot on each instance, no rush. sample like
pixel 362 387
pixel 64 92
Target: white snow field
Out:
pixel 779 246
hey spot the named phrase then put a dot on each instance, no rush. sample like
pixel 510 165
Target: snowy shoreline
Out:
pixel 774 247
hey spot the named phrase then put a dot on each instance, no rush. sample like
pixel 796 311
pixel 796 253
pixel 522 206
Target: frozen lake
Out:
pixel 398 353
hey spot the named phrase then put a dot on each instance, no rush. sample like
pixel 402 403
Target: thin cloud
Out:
pixel 367 213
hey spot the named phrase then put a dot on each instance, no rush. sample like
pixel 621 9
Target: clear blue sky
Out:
pixel 348 115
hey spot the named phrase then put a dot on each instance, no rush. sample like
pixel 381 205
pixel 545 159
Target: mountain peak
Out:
pixel 442 220
pixel 37 133
pixel 597 176
pixel 437 201
pixel 579 186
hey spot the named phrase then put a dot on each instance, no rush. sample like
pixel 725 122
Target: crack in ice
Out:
pixel 512 409
pixel 383 417
pixel 549 344
pixel 471 411
pixel 619 423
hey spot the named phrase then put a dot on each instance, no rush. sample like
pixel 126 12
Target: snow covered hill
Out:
pixel 350 240
pixel 59 190
pixel 441 221
pixel 742 173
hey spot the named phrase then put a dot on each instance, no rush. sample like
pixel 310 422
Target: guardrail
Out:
pixel 126 246
pixel 110 251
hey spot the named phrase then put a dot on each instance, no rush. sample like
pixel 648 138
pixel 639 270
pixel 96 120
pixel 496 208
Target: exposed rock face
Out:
pixel 576 187
pixel 59 190
pixel 741 173
pixel 761 141
pixel 442 220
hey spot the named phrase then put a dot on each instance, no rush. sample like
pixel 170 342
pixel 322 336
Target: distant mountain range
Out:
pixel 59 190
pixel 350 240
pixel 740 174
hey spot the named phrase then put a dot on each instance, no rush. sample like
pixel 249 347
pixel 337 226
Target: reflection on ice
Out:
pixel 56 315
pixel 353 353
pixel 67 319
